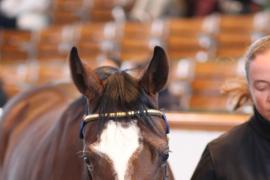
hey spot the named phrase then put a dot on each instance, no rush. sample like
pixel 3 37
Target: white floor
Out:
pixel 187 147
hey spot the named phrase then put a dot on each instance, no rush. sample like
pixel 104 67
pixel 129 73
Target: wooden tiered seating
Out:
pixel 104 10
pixel 54 43
pixel 208 79
pixel 186 38
pixel 234 35
pixel 70 11
pixel 138 39
pixel 96 39
pixel 20 76
pixel 101 10
pixel 52 71
pixel 131 41
pixel 15 77
pixel 15 45
pixel 232 45
pixel 236 23
pixel 181 74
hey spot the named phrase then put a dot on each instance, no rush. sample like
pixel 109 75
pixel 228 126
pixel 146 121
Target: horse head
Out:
pixel 123 132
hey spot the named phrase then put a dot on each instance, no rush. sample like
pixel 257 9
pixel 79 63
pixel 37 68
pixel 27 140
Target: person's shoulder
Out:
pixel 231 148
pixel 231 139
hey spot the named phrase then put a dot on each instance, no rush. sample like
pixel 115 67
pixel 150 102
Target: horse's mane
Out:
pixel 122 93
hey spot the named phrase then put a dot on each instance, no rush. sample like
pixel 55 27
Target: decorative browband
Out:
pixel 93 117
pixel 152 112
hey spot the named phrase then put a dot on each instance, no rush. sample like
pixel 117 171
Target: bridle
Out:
pixel 93 117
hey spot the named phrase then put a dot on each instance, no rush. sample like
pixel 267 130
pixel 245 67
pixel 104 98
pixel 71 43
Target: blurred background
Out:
pixel 204 40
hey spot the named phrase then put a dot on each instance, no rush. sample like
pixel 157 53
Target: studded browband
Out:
pixel 92 117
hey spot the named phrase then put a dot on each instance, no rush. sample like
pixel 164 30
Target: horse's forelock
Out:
pixel 121 92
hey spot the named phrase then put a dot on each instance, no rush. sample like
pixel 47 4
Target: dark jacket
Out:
pixel 243 153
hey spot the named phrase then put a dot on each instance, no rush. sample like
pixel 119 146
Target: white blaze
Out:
pixel 119 144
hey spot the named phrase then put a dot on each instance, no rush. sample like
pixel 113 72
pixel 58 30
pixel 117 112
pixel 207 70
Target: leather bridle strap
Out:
pixel 89 167
pixel 166 173
pixel 151 112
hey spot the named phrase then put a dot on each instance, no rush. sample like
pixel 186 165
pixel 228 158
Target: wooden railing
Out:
pixel 205 121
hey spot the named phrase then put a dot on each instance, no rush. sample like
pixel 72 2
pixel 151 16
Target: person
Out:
pixel 207 7
pixel 242 153
pixel 148 10
pixel 24 14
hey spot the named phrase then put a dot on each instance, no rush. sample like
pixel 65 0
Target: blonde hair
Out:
pixel 237 89
pixel 258 47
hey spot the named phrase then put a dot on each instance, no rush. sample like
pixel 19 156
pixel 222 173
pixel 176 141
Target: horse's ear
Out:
pixel 156 74
pixel 83 76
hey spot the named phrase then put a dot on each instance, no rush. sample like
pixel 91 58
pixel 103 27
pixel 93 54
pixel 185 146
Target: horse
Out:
pixel 123 134
pixel 29 106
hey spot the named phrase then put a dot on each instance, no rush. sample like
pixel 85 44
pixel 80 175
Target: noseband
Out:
pixel 93 117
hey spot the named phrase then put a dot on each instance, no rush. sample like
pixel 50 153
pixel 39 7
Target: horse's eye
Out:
pixel 85 156
pixel 86 159
pixel 164 156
